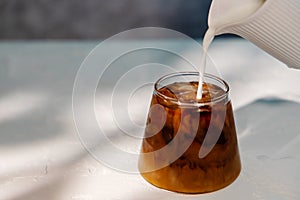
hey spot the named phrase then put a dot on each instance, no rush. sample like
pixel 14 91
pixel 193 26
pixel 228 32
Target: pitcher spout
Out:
pixel 272 25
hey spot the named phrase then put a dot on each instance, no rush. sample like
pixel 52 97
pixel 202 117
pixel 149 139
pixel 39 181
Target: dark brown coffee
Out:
pixel 189 119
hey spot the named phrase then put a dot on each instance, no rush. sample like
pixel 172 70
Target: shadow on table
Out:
pixel 29 117
pixel 269 140
pixel 268 126
pixel 49 184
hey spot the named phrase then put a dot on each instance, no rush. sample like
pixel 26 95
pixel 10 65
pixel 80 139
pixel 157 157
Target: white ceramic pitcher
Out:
pixel 272 25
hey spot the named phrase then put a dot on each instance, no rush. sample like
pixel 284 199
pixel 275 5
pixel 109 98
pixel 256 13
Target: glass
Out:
pixel 190 145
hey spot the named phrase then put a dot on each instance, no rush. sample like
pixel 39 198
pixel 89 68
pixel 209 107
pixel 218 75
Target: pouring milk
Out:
pixel 272 25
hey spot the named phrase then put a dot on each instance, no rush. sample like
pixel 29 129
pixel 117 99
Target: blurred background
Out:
pixel 42 46
pixel 93 19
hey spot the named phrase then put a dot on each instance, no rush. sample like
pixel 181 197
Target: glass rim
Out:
pixel 188 104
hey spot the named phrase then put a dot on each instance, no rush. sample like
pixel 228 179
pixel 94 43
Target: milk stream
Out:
pixel 207 40
pixel 223 13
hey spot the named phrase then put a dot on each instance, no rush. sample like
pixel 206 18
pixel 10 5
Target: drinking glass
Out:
pixel 190 145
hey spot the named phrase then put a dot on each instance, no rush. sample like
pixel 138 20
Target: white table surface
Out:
pixel 42 156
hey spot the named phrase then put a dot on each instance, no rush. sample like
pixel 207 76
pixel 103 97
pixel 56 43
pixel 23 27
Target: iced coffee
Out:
pixel 190 144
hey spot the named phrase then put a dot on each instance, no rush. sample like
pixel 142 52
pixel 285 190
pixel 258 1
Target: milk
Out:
pixel 207 40
pixel 222 14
